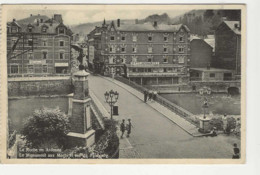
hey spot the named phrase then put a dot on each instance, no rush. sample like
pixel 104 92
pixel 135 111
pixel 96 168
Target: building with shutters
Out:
pixel 148 54
pixel 38 46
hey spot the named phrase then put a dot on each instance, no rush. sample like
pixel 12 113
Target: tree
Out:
pixel 46 128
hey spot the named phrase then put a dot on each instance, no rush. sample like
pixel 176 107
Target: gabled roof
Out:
pixel 149 27
pixel 232 26
pixel 33 19
pixel 211 42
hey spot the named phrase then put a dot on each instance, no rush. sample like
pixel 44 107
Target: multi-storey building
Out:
pixel 38 46
pixel 144 53
pixel 228 46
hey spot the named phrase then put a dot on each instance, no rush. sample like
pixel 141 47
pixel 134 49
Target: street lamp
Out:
pixel 205 106
pixel 111 98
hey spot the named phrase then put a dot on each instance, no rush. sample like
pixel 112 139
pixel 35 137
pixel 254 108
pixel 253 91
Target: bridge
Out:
pixel 157 132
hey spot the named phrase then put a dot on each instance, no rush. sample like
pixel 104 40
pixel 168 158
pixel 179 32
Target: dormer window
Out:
pixel 30 29
pixel 44 29
pixel 13 29
pixel 61 31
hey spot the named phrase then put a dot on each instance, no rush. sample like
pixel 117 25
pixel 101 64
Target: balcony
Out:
pixel 153 74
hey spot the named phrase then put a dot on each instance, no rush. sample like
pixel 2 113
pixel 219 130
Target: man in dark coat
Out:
pixel 122 128
pixel 129 127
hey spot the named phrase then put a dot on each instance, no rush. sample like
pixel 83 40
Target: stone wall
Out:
pixel 26 86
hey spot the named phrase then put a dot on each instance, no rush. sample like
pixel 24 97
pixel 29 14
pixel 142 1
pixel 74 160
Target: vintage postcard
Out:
pixel 90 84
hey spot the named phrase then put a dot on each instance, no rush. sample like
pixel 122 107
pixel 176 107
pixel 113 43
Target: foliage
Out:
pixel 218 123
pixel 46 128
pixel 204 22
pixel 12 139
pixel 106 147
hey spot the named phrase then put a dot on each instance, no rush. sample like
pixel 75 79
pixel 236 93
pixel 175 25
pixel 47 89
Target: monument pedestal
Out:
pixel 204 125
pixel 87 139
pixel 81 132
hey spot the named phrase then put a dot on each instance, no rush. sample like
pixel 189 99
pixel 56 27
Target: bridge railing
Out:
pixel 170 105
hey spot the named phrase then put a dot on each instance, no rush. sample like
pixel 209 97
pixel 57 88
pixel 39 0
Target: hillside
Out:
pixel 204 22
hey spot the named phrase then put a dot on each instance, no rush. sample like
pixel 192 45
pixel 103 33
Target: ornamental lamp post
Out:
pixel 111 98
pixel 205 106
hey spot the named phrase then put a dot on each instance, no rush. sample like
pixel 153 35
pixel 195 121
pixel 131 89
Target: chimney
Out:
pixel 14 20
pixel 136 21
pixel 118 22
pixel 37 22
pixel 155 23
pixel 58 18
pixel 31 15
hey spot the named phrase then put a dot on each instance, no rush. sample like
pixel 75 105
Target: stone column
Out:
pixel 81 131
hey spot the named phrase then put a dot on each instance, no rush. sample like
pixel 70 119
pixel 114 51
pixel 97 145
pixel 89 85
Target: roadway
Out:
pixel 155 136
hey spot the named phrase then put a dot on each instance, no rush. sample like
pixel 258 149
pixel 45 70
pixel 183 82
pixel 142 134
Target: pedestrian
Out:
pixel 236 150
pixel 154 95
pixel 129 127
pixel 150 95
pixel 122 128
pixel 145 96
pixel 238 126
pixel 225 123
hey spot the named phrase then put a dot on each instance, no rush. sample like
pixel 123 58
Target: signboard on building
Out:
pixel 61 64
pixel 91 54
pixel 37 62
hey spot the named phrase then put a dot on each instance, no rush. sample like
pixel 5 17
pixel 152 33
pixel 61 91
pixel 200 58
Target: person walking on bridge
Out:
pixel 145 95
pixel 122 128
pixel 129 127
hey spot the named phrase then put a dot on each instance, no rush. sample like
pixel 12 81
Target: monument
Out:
pixel 81 132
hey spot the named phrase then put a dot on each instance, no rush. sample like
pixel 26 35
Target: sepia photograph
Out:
pixel 123 83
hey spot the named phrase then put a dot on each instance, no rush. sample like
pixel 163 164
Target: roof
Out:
pixel 37 25
pixel 211 70
pixel 192 37
pixel 150 27
pixel 211 42
pixel 33 19
pixel 232 26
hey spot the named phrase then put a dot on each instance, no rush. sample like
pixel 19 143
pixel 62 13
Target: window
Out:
pixel 150 49
pixel 61 43
pixel 150 38
pixel 30 69
pixel 30 29
pixel 134 38
pixel 44 43
pixel 44 55
pixel 181 50
pixel 123 49
pixel 61 55
pixel 44 29
pixel 44 68
pixel 112 38
pixel 164 69
pixel 134 70
pixel 165 60
pixel 123 38
pixel 134 49
pixel 149 70
pixel 165 39
pixel 111 60
pixel 13 29
pixel 112 49
pixel 181 39
pixel 14 69
pixel 165 49
pixel 212 75
pixel 30 55
pixel 149 59
pixel 30 42
pixel 181 59
pixel 61 31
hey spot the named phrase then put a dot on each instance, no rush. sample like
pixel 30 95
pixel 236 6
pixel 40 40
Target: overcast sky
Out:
pixel 72 17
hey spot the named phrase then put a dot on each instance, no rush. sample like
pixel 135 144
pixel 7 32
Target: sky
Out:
pixel 86 15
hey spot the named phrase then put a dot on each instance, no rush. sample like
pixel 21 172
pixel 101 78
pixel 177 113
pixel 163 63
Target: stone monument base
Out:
pixel 83 140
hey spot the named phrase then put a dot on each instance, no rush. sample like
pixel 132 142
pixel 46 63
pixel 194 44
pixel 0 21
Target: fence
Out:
pixel 175 108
